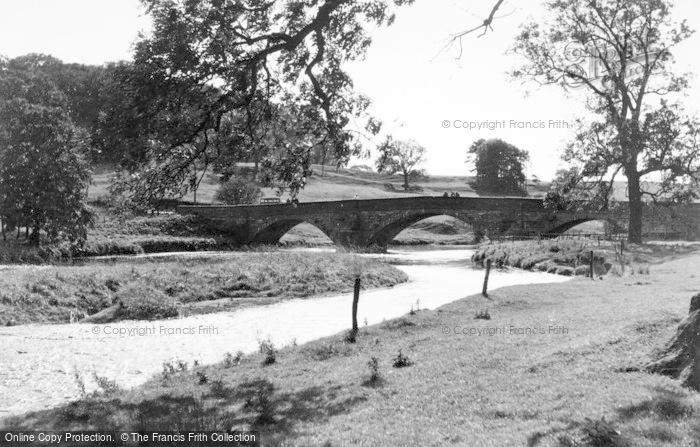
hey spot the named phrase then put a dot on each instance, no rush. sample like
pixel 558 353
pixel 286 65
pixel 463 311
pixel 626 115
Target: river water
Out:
pixel 38 363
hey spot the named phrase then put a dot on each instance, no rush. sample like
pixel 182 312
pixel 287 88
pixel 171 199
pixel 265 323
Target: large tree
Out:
pixel 83 86
pixel 208 59
pixel 618 53
pixel 402 156
pixel 499 166
pixel 43 169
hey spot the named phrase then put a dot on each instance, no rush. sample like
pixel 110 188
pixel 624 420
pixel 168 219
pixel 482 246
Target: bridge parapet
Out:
pixel 366 222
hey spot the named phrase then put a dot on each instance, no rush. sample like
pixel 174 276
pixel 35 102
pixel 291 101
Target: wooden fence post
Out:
pixel 486 278
pixel 592 277
pixel 355 300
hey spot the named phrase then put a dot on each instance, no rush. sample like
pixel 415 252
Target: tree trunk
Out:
pixel 35 237
pixel 405 181
pixel 2 226
pixel 635 204
pixel 680 358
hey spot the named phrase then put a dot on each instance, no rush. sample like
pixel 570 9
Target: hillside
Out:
pixel 344 184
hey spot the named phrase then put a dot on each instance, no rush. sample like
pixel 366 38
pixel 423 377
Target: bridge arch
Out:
pixel 272 233
pixel 560 229
pixel 388 231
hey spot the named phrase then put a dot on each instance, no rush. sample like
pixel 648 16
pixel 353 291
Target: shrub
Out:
pixel 402 361
pixel 483 315
pixel 268 348
pixel 375 377
pixel 108 387
pixel 238 192
pixel 262 403
pixel 231 360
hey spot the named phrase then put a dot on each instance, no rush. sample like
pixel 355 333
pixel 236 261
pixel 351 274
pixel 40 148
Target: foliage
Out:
pixel 238 192
pixel 403 157
pixel 44 172
pixel 375 377
pixel 627 49
pixel 82 85
pixel 499 166
pixel 268 348
pixel 401 361
pixel 246 70
pixel 570 191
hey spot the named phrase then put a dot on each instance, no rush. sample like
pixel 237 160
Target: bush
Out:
pixel 402 361
pixel 375 377
pixel 238 192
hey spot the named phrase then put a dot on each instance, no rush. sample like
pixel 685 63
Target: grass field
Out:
pixel 162 289
pixel 343 184
pixel 555 365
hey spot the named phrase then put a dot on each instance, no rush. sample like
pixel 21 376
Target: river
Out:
pixel 38 362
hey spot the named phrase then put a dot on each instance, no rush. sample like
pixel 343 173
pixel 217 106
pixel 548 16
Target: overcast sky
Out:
pixel 415 84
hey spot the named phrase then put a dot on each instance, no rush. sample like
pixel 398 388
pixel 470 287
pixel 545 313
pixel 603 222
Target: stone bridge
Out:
pixel 376 222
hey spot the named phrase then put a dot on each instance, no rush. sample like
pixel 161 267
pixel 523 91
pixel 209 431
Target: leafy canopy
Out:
pixel 619 54
pixel 499 166
pixel 43 170
pixel 209 61
pixel 401 156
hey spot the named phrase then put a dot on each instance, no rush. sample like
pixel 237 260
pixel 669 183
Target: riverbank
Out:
pixel 572 257
pixel 153 289
pixel 554 365
pixel 115 235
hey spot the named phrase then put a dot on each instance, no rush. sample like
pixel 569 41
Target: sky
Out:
pixel 420 89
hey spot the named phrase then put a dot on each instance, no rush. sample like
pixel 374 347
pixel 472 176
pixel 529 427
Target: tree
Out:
pixel 238 192
pixel 214 58
pixel 43 170
pixel 83 86
pixel 401 156
pixel 569 191
pixel 499 167
pixel 210 58
pixel 618 52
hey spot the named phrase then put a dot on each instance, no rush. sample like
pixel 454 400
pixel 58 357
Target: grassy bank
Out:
pixel 122 236
pixel 555 365
pixel 148 290
pixel 561 256
pixel 572 256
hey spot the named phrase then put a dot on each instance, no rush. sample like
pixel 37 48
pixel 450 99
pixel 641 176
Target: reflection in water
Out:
pixel 37 361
